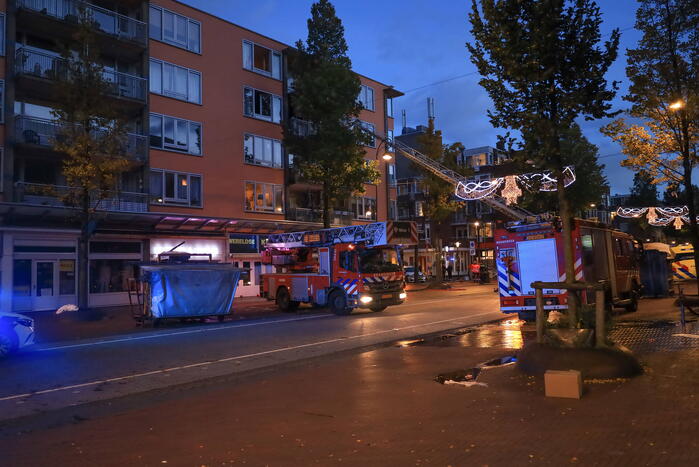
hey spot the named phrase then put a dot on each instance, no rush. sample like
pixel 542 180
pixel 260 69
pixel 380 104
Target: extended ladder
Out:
pixel 371 234
pixel 427 163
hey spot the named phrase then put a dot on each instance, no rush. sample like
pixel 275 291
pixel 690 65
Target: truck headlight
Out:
pixel 402 295
pixel 365 299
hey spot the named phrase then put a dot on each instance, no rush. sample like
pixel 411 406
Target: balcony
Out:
pixel 51 195
pixel 301 128
pixel 59 17
pixel 38 72
pixel 316 216
pixel 33 131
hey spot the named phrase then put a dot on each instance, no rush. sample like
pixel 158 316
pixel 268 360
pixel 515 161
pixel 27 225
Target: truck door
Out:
pixel 324 261
pixel 538 261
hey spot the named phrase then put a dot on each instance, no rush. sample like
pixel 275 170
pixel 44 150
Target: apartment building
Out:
pixel 205 101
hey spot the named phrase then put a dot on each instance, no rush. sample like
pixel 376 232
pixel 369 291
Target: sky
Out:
pixel 418 46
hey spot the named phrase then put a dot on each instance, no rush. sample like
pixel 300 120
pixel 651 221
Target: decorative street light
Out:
pixel 677 105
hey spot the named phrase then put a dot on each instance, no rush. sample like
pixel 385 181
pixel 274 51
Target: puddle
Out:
pixel 409 343
pixel 471 375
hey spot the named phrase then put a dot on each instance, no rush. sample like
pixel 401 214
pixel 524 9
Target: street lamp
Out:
pixel 677 105
pixel 478 238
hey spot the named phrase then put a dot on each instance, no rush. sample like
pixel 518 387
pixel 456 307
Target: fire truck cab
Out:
pixel 528 252
pixel 345 268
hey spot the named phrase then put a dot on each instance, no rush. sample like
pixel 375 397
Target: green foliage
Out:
pixel 92 134
pixel 439 200
pixel 644 192
pixel 325 96
pixel 590 184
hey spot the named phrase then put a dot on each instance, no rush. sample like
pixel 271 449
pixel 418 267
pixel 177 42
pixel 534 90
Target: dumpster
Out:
pixel 655 273
pixel 188 290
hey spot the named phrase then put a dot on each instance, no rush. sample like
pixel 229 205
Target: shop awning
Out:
pixel 35 216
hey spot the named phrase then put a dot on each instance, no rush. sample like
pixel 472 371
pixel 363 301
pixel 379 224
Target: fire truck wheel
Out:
pixel 284 301
pixel 338 303
pixel 378 308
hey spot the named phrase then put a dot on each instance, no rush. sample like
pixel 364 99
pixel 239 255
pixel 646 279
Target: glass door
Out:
pixel 45 290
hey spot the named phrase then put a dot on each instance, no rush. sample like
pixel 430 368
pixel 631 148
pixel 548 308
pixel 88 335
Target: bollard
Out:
pixel 600 320
pixel 682 318
pixel 540 316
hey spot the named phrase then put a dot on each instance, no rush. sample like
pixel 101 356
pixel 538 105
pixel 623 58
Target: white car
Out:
pixel 16 331
pixel 409 272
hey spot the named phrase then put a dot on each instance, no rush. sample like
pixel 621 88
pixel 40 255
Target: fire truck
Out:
pixel 345 268
pixel 533 251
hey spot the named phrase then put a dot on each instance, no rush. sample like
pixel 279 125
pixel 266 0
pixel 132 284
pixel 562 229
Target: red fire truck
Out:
pixel 357 266
pixel 529 252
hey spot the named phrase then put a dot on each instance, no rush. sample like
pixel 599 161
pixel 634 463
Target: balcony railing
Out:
pixel 45 65
pixel 316 215
pixel 53 195
pixel 43 132
pixel 107 21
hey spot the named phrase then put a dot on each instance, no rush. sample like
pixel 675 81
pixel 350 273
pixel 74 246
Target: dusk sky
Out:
pixel 419 48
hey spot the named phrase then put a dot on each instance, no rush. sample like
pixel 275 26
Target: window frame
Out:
pixel 362 98
pixel 365 125
pixel 175 43
pixel 274 187
pixel 261 162
pixel 262 117
pixel 179 201
pixel 272 53
pixel 172 95
pixel 173 148
pixel 364 200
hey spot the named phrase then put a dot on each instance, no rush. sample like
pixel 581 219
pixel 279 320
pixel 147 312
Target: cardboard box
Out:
pixel 563 384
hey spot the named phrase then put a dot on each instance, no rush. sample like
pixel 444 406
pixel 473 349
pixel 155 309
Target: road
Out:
pixel 58 375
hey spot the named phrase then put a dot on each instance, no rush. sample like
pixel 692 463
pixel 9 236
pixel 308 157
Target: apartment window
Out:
pixel 262 151
pixel 391 174
pixel 393 210
pixel 2 101
pixel 175 29
pixel 389 107
pixel 371 130
pixel 175 81
pixel 364 208
pixel 2 34
pixel 265 197
pixel 175 134
pixel 262 105
pixel 176 188
pixel 262 60
pixel 366 97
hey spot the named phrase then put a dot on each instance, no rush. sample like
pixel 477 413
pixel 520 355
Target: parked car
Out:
pixel 16 331
pixel 410 275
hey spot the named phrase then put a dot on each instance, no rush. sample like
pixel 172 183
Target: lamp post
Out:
pixel 478 239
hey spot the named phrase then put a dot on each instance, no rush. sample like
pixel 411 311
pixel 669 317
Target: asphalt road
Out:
pixel 54 376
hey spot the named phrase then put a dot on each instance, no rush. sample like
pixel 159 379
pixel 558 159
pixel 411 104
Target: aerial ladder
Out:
pixel 496 202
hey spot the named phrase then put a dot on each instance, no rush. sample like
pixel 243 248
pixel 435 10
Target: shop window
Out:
pixel 115 247
pixel 22 278
pixel 111 275
pixel 66 277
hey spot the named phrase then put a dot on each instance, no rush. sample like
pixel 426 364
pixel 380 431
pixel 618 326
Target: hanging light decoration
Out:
pixel 630 212
pixel 678 223
pixel 511 192
pixel 652 215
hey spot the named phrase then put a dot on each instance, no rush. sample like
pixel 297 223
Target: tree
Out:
pixel 324 96
pixel 543 67
pixel 92 136
pixel 643 192
pixel 590 185
pixel 664 93
pixel 439 201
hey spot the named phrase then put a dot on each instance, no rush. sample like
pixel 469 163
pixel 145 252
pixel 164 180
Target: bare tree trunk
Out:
pixel 689 193
pixel 326 206
pixel 440 259
pixel 83 254
pixel 568 252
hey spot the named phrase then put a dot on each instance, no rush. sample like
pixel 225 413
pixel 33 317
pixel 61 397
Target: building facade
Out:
pixel 205 103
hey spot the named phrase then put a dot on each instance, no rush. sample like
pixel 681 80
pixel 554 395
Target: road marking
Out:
pixel 175 333
pixel 208 329
pixel 232 358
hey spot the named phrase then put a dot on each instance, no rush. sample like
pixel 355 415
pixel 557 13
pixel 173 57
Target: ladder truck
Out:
pixel 350 267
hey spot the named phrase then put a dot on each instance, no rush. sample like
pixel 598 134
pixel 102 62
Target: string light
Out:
pixel 678 223
pixel 659 216
pixel 652 215
pixel 511 192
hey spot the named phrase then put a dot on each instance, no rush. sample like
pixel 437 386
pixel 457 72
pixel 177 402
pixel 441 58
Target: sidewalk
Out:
pixel 383 408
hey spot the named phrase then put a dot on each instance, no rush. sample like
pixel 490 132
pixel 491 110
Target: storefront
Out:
pixel 244 251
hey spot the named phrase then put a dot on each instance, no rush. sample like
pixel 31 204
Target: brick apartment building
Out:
pixel 206 101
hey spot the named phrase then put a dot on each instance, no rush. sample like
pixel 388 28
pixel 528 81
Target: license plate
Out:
pixel 387 295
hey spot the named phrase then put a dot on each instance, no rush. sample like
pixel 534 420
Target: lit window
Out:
pixel 175 188
pixel 265 197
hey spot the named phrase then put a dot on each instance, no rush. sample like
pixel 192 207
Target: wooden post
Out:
pixel 682 316
pixel 540 316
pixel 600 321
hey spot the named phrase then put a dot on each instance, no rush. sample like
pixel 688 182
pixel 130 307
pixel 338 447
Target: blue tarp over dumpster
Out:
pixel 190 290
